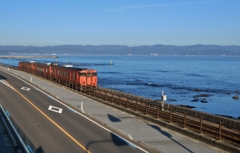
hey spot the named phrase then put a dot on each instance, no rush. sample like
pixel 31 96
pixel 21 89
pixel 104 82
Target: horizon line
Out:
pixel 115 45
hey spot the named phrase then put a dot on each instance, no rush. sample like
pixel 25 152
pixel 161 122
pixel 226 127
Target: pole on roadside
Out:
pixel 163 98
pixel 82 107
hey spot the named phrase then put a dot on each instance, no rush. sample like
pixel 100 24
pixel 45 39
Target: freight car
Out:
pixel 67 75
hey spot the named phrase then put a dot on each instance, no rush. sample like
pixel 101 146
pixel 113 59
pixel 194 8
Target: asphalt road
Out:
pixel 49 126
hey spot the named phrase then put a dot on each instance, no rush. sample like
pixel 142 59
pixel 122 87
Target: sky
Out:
pixel 119 22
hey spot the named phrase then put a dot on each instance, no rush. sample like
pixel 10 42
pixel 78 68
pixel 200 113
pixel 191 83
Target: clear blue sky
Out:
pixel 119 22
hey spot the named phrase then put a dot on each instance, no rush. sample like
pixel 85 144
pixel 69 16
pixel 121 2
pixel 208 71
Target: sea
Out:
pixel 208 83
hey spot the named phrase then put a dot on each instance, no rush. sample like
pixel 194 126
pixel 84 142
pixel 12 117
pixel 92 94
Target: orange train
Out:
pixel 66 75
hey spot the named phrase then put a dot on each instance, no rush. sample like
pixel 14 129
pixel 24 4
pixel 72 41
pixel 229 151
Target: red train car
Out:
pixel 26 66
pixel 65 75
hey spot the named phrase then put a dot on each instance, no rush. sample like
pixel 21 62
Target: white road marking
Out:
pixel 6 83
pixel 25 88
pixel 72 110
pixel 55 109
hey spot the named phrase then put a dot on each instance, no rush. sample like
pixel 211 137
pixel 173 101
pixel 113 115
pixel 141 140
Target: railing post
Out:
pixel 220 131
pixel 146 111
pixel 136 106
pixel 105 95
pixel 162 105
pixel 158 109
pixel 170 115
pixel 119 100
pixel 184 120
pixel 201 125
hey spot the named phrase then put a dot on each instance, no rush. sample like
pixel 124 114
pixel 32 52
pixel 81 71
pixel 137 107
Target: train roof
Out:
pixel 56 65
pixel 26 62
pixel 69 68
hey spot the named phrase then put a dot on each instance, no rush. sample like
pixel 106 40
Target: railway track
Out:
pixel 219 128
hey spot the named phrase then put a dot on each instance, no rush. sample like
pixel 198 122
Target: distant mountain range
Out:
pixel 154 50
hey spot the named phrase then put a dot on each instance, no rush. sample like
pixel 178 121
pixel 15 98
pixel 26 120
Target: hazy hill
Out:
pixel 124 50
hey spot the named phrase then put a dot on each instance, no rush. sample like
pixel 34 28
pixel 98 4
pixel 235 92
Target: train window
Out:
pixel 66 74
pixel 94 74
pixel 83 74
pixel 40 69
pixel 47 70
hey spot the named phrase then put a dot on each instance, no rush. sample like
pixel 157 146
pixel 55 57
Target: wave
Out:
pixel 164 71
pixel 176 87
pixel 135 82
pixel 155 85
pixel 195 75
pixel 139 82
pixel 110 72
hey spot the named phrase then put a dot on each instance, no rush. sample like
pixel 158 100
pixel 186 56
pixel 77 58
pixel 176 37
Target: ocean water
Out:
pixel 181 77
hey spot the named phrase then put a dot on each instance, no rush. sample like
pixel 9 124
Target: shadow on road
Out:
pixel 114 139
pixel 169 136
pixel 39 150
pixel 2 78
pixel 113 118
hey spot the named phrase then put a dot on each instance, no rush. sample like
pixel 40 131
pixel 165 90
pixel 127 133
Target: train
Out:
pixel 67 75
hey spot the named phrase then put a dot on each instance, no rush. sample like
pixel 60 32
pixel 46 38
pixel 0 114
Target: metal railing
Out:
pixel 214 126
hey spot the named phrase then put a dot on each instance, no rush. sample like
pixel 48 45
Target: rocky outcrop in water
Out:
pixel 236 97
pixel 187 106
